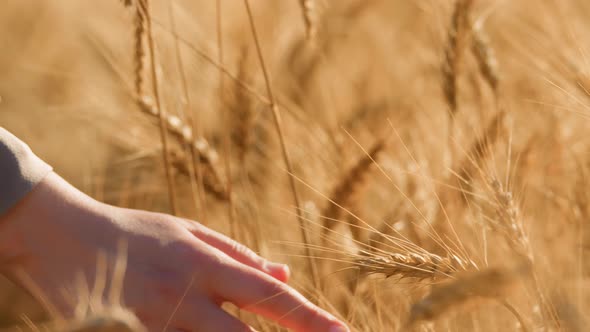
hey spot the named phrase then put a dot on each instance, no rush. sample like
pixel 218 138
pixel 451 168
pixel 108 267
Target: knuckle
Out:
pixel 240 248
pixel 246 252
pixel 269 290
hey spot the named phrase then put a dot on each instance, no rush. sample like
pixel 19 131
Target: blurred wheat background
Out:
pixel 439 150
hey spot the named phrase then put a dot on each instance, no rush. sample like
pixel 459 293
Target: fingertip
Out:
pixel 278 271
pixel 339 327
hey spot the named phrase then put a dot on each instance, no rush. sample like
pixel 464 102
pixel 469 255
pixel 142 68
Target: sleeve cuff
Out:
pixel 20 170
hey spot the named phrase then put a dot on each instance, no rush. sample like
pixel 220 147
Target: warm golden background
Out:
pixel 499 179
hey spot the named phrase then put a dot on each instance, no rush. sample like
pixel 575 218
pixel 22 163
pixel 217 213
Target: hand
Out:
pixel 56 232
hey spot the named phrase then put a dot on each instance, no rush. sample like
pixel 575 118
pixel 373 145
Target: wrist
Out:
pixel 44 213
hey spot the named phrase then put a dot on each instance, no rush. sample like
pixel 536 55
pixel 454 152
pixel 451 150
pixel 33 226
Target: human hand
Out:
pixel 56 232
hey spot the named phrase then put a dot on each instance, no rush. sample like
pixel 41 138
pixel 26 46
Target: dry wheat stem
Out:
pixel 226 117
pixel 196 173
pixel 216 64
pixel 278 124
pixel 239 83
pixel 516 314
pixel 144 4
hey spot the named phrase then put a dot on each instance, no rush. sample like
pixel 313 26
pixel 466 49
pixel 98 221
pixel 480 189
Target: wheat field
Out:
pixel 421 165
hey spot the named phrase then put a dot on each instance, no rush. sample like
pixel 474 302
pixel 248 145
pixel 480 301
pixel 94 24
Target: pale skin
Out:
pixel 56 232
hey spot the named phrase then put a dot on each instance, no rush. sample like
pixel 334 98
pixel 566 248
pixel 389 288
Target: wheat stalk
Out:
pixel 145 9
pixel 196 174
pixel 286 158
pixel 225 115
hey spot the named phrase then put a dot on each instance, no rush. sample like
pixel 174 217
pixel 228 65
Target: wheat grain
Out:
pixel 205 154
pixel 139 53
pixel 509 221
pixel 481 148
pixel 196 174
pixel 412 265
pixel 144 6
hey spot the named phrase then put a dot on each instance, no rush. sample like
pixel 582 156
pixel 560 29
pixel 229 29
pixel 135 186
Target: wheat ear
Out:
pixel 349 188
pixel 453 53
pixel 493 283
pixel 509 222
pixel 308 12
pixel 485 56
pixel 203 152
pixel 412 265
pixel 145 9
pixel 196 172
pixel 481 148
pixel 241 106
pixel 138 50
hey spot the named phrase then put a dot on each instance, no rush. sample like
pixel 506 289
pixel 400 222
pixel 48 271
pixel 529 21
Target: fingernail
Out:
pixel 338 328
pixel 278 269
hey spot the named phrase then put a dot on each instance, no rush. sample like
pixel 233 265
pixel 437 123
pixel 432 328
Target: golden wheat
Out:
pixel 493 283
pixel 350 188
pixel 413 265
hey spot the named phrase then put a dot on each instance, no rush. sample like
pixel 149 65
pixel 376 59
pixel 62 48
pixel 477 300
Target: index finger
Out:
pixel 259 293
